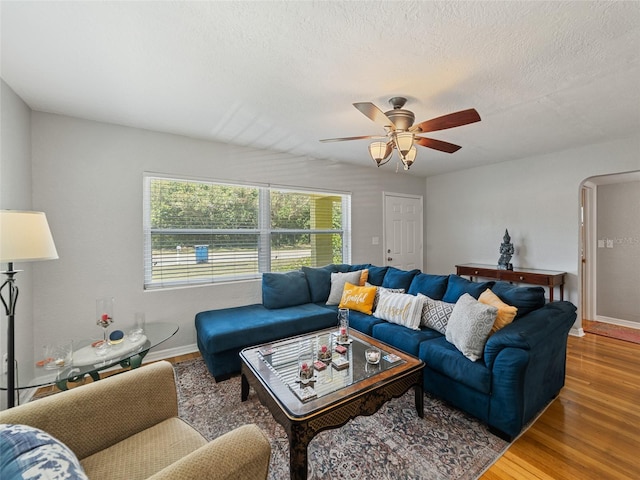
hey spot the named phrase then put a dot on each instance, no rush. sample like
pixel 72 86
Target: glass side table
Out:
pixel 127 354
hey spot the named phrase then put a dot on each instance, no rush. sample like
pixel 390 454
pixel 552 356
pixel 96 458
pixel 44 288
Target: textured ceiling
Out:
pixel 544 76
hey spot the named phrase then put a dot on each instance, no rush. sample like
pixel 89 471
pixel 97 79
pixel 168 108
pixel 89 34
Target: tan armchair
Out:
pixel 127 427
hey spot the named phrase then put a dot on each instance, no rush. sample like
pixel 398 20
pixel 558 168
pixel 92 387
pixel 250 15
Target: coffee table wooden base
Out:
pixel 301 431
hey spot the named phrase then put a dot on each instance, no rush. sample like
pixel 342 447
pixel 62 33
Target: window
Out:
pixel 199 232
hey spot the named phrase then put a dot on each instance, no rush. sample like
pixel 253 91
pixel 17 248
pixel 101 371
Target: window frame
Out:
pixel 263 230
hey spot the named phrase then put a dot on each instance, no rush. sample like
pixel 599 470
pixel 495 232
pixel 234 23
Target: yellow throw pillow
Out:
pixel 358 298
pixel 364 276
pixel 506 313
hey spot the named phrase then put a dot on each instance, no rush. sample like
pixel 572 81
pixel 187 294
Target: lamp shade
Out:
pixel 25 237
pixel 404 142
pixel 380 151
pixel 409 158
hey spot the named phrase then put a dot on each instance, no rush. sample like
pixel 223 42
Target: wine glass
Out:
pixel 104 318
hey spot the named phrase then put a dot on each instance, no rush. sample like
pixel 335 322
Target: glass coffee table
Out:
pixel 340 388
pixel 126 354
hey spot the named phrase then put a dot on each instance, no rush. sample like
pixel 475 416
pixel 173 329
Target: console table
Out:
pixel 548 278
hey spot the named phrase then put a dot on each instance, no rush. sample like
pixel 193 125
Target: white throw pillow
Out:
pixel 469 326
pixel 436 314
pixel 400 308
pixel 337 285
pixel 383 289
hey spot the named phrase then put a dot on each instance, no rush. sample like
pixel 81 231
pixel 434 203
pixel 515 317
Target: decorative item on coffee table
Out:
pixel 343 325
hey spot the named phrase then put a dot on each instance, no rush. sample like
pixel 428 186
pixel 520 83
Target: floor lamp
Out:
pixel 24 237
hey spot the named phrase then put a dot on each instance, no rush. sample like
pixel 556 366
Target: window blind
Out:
pixel 199 232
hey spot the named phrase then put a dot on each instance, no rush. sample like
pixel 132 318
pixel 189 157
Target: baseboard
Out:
pixel 617 321
pixel 155 355
pixel 576 332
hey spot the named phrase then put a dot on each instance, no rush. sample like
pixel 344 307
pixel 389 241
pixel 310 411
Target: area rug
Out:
pixel 393 444
pixel 612 331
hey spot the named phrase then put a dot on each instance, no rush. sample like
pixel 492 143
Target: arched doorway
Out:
pixel 610 249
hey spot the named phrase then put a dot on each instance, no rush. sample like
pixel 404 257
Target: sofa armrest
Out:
pixel 242 454
pixel 92 417
pixel 535 328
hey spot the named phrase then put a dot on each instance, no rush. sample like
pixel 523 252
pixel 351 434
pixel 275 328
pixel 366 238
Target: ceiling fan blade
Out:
pixel 326 140
pixel 437 144
pixel 457 119
pixel 374 113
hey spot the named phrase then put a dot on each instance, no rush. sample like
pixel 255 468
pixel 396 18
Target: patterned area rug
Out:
pixel 393 444
pixel 612 331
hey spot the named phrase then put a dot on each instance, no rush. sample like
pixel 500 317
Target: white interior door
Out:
pixel 403 231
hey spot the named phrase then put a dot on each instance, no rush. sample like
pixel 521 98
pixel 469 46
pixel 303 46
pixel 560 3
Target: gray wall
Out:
pixel 15 194
pixel 536 198
pixel 88 178
pixel 618 268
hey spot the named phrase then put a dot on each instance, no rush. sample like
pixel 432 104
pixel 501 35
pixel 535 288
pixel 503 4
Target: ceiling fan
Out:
pixel 403 135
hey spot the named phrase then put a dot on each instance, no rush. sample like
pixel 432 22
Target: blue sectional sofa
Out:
pixel 521 369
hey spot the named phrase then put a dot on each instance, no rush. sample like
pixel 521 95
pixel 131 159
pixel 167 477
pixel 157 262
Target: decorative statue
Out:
pixel 506 252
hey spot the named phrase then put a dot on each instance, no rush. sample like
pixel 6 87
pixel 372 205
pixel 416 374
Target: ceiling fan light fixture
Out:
pixel 404 142
pixel 409 158
pixel 380 151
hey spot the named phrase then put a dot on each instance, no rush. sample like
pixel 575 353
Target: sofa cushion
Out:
pixel 338 281
pixel 355 297
pixel 401 337
pixel 362 322
pixel 400 308
pixel 433 286
pixel 445 358
pixel 376 275
pixel 469 326
pixel 281 290
pixel 525 299
pixel 319 281
pixel 457 286
pixel 506 313
pixel 239 327
pixel 346 267
pixel 396 278
pixel 435 314
pixel 31 453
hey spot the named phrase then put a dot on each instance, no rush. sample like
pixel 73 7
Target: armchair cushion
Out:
pixel 145 453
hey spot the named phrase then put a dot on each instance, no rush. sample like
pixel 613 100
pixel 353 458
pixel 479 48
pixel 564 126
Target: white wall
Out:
pixel 15 194
pixel 537 199
pixel 88 177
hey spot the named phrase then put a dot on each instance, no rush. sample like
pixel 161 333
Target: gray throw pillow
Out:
pixel 337 285
pixel 436 314
pixel 469 326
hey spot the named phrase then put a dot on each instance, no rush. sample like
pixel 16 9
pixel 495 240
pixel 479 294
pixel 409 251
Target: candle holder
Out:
pixel 343 325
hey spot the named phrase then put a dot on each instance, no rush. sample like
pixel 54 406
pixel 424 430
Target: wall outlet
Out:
pixel 5 361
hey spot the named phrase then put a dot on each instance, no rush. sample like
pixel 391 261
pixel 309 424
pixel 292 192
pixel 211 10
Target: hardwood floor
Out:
pixel 592 430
